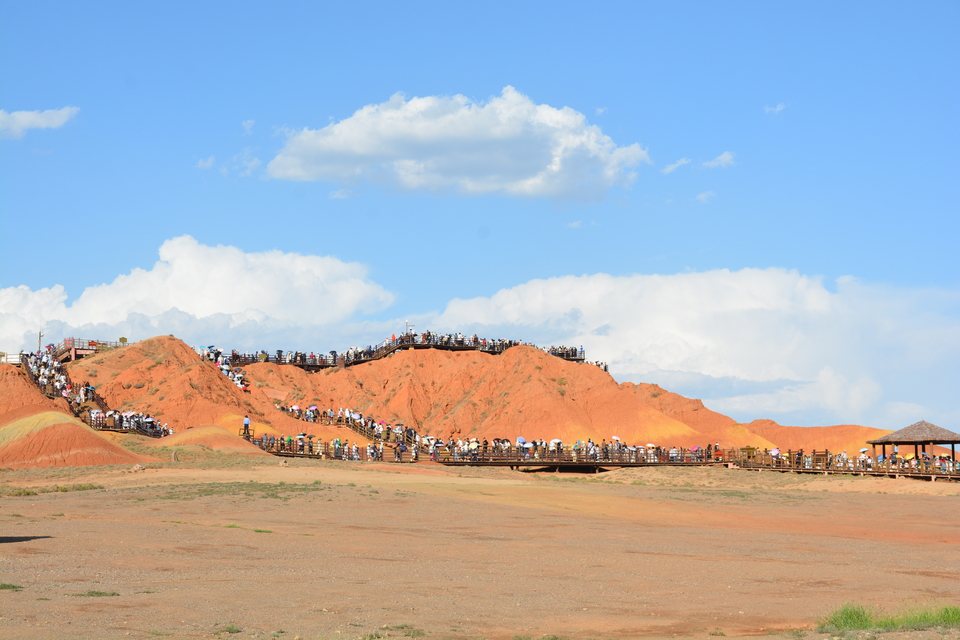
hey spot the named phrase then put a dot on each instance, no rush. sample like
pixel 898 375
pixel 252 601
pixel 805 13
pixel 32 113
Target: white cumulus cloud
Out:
pixel 705 197
pixel 248 126
pixel 16 124
pixel 508 145
pixel 670 168
pixel 755 342
pixel 775 110
pixel 725 159
pixel 221 285
pixel 205 164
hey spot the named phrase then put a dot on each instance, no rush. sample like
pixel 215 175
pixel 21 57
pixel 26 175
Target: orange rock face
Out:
pixel 36 431
pixel 167 379
pixel 217 438
pixel 523 392
pixel 18 394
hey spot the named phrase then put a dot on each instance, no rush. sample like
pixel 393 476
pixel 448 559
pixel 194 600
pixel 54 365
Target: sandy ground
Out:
pixel 241 548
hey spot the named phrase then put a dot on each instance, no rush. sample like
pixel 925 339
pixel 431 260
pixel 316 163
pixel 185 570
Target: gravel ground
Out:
pixel 333 550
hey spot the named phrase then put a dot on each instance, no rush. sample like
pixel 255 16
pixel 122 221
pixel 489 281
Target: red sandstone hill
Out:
pixel 848 437
pixel 164 377
pixel 523 392
pixel 18 394
pixel 36 431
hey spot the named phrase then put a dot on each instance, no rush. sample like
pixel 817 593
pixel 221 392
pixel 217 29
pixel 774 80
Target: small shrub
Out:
pixel 139 385
pixel 10 587
pixel 127 385
pixel 231 628
pixel 96 594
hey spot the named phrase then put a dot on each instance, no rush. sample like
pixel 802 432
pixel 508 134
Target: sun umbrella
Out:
pixel 774 452
pixel 632 448
pixel 615 437
pixel 295 407
pixel 695 447
pixel 313 408
pixel 556 441
pixel 311 436
pixel 529 445
pixel 650 444
pixel 909 456
pixel 521 440
pixel 864 450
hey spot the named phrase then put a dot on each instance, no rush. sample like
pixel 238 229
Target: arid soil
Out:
pixel 241 547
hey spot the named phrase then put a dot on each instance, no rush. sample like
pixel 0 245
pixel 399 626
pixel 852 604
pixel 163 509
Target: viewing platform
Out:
pixel 75 348
pixel 316 362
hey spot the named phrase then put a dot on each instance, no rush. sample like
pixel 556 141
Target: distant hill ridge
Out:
pixel 522 392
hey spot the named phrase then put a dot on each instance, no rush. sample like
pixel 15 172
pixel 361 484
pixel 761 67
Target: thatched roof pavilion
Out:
pixel 919 434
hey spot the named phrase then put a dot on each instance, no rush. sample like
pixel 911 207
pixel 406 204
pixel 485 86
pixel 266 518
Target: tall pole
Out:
pixel 39 338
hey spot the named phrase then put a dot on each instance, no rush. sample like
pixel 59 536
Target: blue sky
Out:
pixel 495 169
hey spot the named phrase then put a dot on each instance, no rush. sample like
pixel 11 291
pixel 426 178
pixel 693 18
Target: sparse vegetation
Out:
pixel 6 586
pixel 852 616
pixel 96 594
pixel 138 385
pixel 32 491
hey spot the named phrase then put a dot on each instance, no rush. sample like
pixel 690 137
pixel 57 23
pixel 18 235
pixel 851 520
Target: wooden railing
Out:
pixel 84 344
pixel 387 347
pixel 749 459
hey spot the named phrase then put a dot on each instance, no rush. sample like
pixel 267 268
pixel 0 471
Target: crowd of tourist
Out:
pixel 355 355
pixel 129 421
pixel 51 377
pixel 861 461
pixel 403 443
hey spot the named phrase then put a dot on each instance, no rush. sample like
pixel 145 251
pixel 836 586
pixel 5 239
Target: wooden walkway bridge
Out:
pixel 747 458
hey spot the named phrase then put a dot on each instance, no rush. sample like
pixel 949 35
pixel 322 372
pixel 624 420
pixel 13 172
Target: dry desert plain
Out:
pixel 233 546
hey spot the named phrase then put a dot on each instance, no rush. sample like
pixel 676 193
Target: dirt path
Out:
pixel 349 551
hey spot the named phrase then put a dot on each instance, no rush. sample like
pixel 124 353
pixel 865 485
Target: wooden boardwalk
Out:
pixel 568 462
pixel 319 362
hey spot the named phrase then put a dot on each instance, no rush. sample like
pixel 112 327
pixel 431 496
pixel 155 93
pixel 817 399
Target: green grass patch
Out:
pixel 231 628
pixel 96 594
pixel 853 616
pixel 33 491
pixel 6 586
